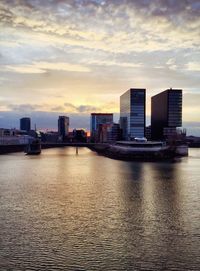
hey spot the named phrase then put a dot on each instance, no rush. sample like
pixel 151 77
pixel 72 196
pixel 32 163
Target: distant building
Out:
pixel 79 135
pixel 63 127
pixel 166 113
pixel 96 120
pixel 50 136
pixel 25 124
pixel 132 113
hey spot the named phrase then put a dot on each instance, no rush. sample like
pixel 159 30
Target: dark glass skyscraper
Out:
pixel 166 112
pixel 63 126
pixel 25 124
pixel 132 113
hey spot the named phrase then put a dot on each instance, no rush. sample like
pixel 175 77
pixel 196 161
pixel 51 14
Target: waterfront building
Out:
pixel 63 127
pixel 166 113
pixel 25 124
pixel 96 120
pixel 132 113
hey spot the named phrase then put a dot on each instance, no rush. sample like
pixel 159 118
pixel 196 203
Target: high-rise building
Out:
pixel 96 120
pixel 132 113
pixel 25 124
pixel 166 112
pixel 63 126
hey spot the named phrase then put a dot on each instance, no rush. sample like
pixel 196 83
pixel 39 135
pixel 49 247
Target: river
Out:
pixel 62 211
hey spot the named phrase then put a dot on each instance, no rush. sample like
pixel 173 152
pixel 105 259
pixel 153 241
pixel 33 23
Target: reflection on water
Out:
pixel 62 211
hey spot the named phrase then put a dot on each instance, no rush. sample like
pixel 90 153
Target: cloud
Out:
pixel 61 66
pixel 138 25
pixel 193 66
pixel 22 69
pixel 87 109
pixel 23 107
pixel 66 108
pixel 115 63
pixel 81 108
pixel 172 64
pixel 42 67
pixel 58 108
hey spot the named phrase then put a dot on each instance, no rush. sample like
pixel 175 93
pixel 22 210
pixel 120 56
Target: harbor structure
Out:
pixel 96 120
pixel 166 113
pixel 133 113
pixel 25 124
pixel 63 127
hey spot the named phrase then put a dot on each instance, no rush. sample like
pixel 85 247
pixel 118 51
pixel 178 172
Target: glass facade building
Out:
pixel 166 112
pixel 132 113
pixel 96 120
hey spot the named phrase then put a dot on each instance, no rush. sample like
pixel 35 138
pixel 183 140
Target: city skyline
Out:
pixel 78 57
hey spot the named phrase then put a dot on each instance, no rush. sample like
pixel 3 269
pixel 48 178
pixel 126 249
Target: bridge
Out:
pixel 72 144
pixel 9 148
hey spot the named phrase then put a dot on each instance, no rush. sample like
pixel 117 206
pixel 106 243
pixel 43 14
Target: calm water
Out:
pixel 59 211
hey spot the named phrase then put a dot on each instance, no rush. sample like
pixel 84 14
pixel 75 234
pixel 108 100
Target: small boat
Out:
pixel 34 147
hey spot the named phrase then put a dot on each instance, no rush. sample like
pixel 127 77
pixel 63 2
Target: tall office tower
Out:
pixel 132 113
pixel 63 126
pixel 166 112
pixel 96 120
pixel 25 124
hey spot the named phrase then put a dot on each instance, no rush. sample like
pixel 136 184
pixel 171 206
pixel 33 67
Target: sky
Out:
pixel 74 57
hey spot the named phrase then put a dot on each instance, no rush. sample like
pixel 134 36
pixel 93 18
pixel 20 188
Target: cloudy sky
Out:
pixel 74 57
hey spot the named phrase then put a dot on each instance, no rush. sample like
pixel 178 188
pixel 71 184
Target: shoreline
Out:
pixel 111 152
